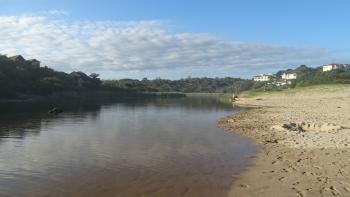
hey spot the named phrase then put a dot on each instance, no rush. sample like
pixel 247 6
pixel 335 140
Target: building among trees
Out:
pixel 263 77
pixel 289 75
pixel 329 67
pixel 17 58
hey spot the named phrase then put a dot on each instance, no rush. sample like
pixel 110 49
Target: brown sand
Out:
pixel 306 144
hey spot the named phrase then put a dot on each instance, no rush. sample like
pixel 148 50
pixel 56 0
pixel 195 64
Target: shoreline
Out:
pixel 305 139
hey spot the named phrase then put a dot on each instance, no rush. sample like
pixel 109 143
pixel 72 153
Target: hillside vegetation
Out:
pixel 312 89
pixel 315 76
pixel 187 85
pixel 306 76
pixel 21 78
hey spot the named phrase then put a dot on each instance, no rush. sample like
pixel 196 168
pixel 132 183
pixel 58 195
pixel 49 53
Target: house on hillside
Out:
pixel 34 62
pixel 81 78
pixel 329 67
pixel 20 58
pixel 17 58
pixel 289 75
pixel 263 77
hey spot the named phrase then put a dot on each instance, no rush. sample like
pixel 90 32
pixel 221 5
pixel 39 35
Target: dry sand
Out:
pixel 306 144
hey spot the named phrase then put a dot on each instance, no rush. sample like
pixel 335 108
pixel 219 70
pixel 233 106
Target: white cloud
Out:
pixel 53 13
pixel 104 46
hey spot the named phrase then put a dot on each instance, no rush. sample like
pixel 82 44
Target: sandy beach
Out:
pixel 305 138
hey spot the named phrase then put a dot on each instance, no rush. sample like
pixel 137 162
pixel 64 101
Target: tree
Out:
pixel 94 75
pixel 95 79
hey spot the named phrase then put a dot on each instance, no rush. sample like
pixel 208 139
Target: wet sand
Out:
pixel 305 138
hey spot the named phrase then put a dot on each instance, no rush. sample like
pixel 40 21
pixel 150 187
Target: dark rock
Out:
pixel 293 127
pixel 55 111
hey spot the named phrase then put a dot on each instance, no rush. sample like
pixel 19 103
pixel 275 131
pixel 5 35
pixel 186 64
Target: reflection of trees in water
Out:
pixel 18 129
pixel 192 102
pixel 207 103
pixel 16 120
pixel 20 119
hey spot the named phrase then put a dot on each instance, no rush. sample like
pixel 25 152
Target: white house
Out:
pixel 263 77
pixel 330 67
pixel 289 75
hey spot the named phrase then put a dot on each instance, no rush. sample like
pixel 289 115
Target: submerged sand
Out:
pixel 306 143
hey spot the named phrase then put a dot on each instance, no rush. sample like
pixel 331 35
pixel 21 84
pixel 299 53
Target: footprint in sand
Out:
pixel 244 185
pixel 300 193
pixel 282 179
pixel 334 191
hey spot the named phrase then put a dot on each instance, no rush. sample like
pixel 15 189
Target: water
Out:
pixel 168 147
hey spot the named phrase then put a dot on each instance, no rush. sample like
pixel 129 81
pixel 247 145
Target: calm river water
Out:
pixel 159 147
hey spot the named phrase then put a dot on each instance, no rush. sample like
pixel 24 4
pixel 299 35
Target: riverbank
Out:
pixel 305 134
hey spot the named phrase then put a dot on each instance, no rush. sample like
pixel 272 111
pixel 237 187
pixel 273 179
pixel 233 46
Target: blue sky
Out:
pixel 174 39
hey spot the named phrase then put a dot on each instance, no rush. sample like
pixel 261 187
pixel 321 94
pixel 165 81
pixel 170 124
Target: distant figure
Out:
pixel 55 110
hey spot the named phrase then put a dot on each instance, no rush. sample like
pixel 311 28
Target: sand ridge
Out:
pixel 306 144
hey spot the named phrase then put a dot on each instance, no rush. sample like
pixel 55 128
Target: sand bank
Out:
pixel 306 143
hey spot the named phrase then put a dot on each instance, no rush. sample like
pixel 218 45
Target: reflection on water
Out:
pixel 167 147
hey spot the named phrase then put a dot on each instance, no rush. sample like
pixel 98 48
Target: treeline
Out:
pixel 25 78
pixel 20 77
pixel 187 85
pixel 306 76
pixel 315 76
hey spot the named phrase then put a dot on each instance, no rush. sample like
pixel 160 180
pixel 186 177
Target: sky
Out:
pixel 176 39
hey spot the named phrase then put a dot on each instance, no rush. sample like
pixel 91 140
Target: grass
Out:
pixel 307 89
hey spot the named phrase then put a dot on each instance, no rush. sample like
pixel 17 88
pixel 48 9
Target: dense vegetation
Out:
pixel 306 76
pixel 20 78
pixel 315 76
pixel 208 85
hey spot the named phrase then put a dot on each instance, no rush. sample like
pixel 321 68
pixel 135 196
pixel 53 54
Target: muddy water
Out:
pixel 166 147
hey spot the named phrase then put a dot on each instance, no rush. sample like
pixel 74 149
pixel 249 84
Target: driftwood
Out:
pixel 55 110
